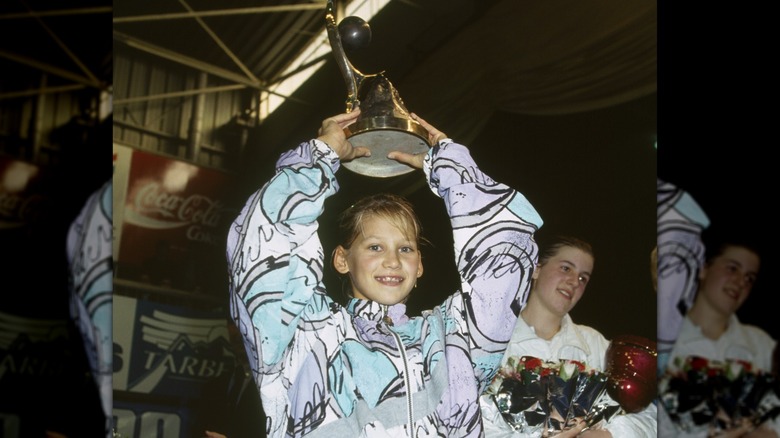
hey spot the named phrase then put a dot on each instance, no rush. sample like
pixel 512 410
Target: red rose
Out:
pixel 747 366
pixel 698 363
pixel 532 363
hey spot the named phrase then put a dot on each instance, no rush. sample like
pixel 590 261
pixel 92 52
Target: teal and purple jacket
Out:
pixel 328 370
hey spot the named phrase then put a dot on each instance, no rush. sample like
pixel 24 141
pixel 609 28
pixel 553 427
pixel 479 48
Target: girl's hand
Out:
pixel 416 160
pixel 332 133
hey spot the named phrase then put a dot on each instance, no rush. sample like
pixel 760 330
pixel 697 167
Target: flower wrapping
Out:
pixel 698 393
pixel 520 394
pixel 589 393
pixel 546 397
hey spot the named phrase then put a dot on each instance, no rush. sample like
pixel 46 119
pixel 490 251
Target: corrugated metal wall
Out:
pixel 28 119
pixel 155 110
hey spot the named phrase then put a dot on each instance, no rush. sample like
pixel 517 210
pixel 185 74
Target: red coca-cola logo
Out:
pixel 154 203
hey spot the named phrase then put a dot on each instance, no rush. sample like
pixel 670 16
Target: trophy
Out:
pixel 384 123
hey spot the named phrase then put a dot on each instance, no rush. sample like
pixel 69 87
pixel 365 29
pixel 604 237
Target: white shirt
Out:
pixel 576 342
pixel 739 341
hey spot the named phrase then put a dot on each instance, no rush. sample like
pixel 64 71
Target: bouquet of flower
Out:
pixel 717 395
pixel 545 398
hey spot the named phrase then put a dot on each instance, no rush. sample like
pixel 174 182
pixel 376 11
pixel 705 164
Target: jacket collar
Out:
pixel 373 311
pixel 733 333
pixel 567 336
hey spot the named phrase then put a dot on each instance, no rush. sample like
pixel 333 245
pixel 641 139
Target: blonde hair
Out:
pixel 393 208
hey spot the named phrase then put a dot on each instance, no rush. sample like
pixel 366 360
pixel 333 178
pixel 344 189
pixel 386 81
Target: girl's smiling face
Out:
pixel 383 262
pixel 560 282
pixel 727 280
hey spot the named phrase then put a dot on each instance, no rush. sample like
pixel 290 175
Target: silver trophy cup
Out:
pixel 384 124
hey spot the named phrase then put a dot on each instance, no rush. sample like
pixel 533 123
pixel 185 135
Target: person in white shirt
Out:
pixel 711 330
pixel 546 331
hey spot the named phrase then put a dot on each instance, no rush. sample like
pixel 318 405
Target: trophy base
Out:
pixel 383 135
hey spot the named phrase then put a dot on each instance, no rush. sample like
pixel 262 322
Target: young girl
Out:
pixel 546 331
pixel 368 369
pixel 712 330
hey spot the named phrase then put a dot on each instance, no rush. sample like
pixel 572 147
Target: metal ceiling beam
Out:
pixel 67 51
pixel 186 60
pixel 222 45
pixel 46 68
pixel 302 67
pixel 57 13
pixel 194 63
pixel 221 12
pixel 129 100
pixel 37 91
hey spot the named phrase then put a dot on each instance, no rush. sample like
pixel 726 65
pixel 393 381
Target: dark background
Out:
pixel 716 129
pixel 731 178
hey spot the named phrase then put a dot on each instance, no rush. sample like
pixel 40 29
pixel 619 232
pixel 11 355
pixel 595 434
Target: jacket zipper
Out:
pixel 407 378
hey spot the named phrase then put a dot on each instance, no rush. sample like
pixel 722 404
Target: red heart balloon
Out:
pixel 631 367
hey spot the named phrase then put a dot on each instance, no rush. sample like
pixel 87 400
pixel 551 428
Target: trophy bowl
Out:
pixel 384 125
pixel 383 135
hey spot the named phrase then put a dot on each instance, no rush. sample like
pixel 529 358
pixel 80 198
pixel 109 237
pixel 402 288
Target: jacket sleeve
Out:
pixel 493 227
pixel 275 257
pixel 680 257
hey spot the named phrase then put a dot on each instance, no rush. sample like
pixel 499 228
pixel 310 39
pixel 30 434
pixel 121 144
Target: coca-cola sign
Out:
pixel 21 199
pixel 154 208
pixel 173 221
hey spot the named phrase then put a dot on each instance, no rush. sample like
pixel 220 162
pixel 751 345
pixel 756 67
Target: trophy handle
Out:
pixel 352 76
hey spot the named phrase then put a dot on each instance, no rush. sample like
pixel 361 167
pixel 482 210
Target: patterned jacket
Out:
pixel 681 222
pixel 338 371
pixel 91 277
